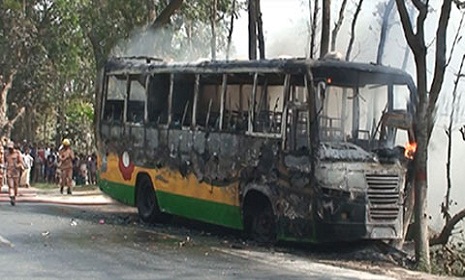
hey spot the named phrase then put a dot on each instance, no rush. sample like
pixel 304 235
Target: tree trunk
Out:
pixel 5 123
pixel 231 28
pixel 352 32
pixel 337 26
pixel 213 28
pixel 409 202
pixel 313 21
pixel 424 118
pixel 29 112
pixel 166 14
pixel 384 31
pixel 261 38
pixel 421 175
pixel 325 26
pixel 252 29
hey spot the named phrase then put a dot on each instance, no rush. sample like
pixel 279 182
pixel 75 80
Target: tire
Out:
pixel 146 202
pixel 262 225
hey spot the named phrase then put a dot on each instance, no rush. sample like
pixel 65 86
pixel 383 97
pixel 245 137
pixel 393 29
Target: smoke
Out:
pixel 190 42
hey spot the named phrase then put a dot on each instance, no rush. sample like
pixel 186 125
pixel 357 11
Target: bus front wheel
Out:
pixel 146 202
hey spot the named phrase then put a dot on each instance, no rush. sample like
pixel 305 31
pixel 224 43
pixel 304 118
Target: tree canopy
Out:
pixel 51 51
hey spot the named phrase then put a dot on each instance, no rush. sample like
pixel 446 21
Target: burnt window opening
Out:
pixel 115 98
pixel 135 110
pixel 157 99
pixel 297 115
pixel 268 102
pixel 241 102
pixel 209 102
pixel 183 100
pixel 355 113
pixel 238 90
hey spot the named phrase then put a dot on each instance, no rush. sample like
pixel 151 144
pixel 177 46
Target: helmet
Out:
pixel 66 142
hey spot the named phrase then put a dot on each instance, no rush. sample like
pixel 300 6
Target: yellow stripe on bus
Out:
pixel 173 182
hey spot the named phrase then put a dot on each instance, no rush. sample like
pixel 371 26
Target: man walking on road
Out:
pixel 14 167
pixel 66 166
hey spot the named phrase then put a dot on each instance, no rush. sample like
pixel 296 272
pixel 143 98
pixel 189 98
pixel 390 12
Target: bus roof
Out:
pixel 340 72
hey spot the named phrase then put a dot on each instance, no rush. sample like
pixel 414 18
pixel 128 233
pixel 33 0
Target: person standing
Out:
pixel 2 167
pixel 28 161
pixel 66 156
pixel 14 167
pixel 92 167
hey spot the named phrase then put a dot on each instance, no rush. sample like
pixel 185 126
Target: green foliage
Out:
pixel 79 117
pixel 57 46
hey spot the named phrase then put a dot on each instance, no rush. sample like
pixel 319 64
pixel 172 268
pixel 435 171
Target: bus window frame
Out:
pixel 126 99
pixel 103 98
pixel 146 109
pixel 224 87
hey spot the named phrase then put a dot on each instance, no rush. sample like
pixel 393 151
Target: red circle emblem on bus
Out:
pixel 126 166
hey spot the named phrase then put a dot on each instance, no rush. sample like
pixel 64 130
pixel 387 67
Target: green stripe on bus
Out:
pixel 121 192
pixel 188 207
pixel 202 210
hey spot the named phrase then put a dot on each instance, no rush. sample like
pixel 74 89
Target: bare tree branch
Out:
pixel 352 32
pixel 384 31
pixel 459 4
pixel 230 29
pixel 457 38
pixel 313 20
pixel 440 61
pixel 20 113
pixel 445 205
pixel 419 4
pixel 412 40
pixel 325 26
pixel 165 15
pixel 261 38
pixel 337 25
pixel 462 131
pixel 7 86
pixel 443 237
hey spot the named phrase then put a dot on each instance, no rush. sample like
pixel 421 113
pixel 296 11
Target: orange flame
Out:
pixel 410 149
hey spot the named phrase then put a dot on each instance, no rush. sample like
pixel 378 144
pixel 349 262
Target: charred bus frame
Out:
pixel 288 149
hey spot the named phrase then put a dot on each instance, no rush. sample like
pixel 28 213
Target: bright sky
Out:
pixel 285 27
pixel 279 18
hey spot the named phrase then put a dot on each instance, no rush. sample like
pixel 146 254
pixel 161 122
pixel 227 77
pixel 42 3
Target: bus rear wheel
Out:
pixel 146 202
pixel 260 222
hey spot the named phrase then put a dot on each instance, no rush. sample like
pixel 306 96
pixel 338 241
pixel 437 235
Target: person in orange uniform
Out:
pixel 14 167
pixel 66 166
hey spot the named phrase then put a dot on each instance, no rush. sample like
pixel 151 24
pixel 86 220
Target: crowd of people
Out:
pixel 25 163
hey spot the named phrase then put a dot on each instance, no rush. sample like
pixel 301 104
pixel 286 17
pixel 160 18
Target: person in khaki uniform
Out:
pixel 14 167
pixel 66 156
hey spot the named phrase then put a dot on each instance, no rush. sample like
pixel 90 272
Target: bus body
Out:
pixel 284 149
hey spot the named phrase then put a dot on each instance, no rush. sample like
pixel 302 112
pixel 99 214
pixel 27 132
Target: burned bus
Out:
pixel 282 149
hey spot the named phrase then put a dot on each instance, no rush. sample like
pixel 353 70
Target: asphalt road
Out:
pixel 39 241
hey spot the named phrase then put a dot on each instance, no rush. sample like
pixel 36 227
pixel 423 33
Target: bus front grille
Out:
pixel 383 196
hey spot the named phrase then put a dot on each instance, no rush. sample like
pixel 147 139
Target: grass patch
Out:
pixel 47 186
pixel 44 186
